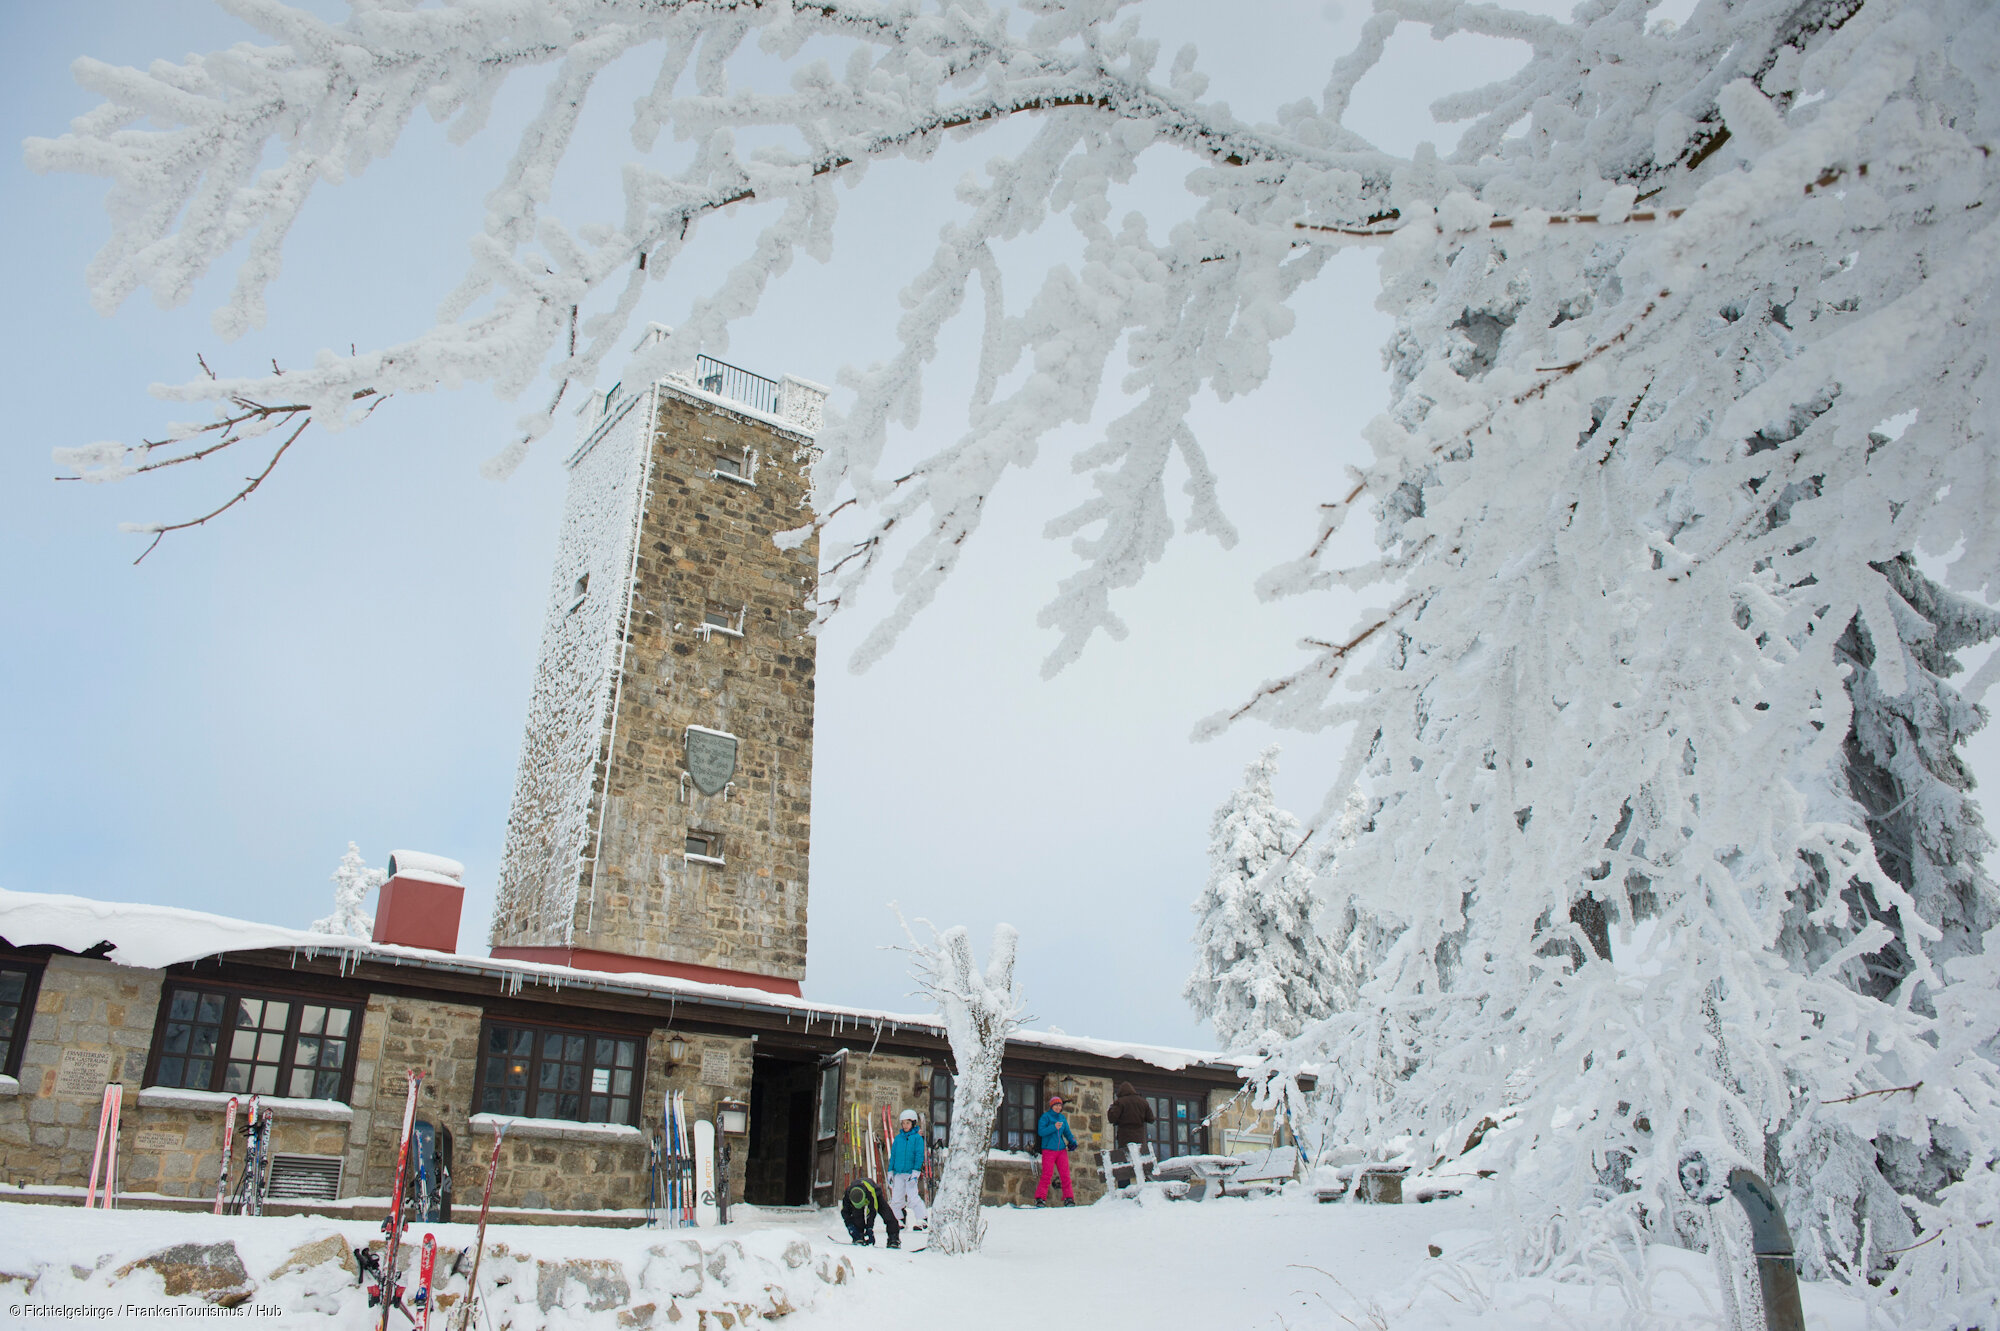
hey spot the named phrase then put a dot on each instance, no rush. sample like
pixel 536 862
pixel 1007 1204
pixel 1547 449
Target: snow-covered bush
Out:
pixel 980 1009
pixel 353 880
pixel 1261 965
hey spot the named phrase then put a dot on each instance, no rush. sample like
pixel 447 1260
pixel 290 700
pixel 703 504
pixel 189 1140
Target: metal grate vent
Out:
pixel 305 1178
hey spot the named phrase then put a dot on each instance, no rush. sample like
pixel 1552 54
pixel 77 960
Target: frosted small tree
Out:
pixel 1261 966
pixel 353 880
pixel 980 1009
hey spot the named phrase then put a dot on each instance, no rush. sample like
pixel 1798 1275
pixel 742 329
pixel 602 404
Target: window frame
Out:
pixel 31 989
pixel 944 1084
pixel 233 995
pixel 1032 1109
pixel 1163 1102
pixel 540 1029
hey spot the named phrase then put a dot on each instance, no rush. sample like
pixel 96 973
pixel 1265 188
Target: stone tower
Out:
pixel 663 810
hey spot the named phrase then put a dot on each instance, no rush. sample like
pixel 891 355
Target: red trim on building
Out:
pixel 589 959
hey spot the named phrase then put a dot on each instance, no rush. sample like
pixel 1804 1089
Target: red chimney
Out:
pixel 420 903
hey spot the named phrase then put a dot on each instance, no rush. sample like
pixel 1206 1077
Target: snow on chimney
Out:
pixel 420 903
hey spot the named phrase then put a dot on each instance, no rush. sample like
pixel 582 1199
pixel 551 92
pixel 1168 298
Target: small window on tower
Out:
pixel 723 619
pixel 578 592
pixel 704 847
pixel 738 467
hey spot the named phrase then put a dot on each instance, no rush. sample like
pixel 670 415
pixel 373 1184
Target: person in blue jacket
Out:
pixel 906 1169
pixel 1057 1142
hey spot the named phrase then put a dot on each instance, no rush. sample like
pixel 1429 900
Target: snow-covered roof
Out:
pixel 154 937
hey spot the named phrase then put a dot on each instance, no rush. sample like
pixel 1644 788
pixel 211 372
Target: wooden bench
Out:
pixel 1264 1172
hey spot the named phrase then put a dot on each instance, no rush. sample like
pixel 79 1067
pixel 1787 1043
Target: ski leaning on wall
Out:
pixel 392 1225
pixel 228 1142
pixel 106 1154
pixel 685 1145
pixel 479 1243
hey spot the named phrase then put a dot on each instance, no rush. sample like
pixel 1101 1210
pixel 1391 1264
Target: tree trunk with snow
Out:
pixel 979 1010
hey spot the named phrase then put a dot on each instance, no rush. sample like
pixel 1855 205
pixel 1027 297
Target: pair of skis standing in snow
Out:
pixel 247 1198
pixel 387 1292
pixel 682 1186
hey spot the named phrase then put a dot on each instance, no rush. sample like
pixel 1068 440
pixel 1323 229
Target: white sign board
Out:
pixel 715 1067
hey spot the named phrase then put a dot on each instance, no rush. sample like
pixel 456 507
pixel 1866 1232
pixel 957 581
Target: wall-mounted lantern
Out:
pixel 1068 1087
pixel 677 1051
pixel 733 1117
pixel 1308 1083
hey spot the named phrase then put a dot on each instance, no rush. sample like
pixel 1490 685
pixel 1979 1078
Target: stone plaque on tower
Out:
pixel 711 758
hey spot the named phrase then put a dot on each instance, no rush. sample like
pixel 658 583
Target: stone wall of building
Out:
pixel 397 1034
pixel 706 546
pixel 708 1056
pixel 89 1007
pixel 177 1150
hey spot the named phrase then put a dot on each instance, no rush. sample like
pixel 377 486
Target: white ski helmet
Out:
pixel 908 1116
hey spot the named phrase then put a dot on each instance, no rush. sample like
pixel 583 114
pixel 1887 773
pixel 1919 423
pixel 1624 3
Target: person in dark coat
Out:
pixel 1129 1114
pixel 860 1204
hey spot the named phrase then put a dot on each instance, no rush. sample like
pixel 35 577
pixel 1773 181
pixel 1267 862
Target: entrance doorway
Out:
pixel 778 1170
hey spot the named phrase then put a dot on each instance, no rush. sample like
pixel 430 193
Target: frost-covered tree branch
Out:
pixel 980 1009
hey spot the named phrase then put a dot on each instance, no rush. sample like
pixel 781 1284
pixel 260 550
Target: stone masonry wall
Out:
pixel 84 1004
pixel 397 1034
pixel 705 545
pixel 189 1168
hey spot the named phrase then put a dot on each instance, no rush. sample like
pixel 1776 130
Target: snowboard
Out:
pixel 705 1211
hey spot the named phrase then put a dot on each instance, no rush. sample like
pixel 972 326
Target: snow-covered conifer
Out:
pixel 1261 966
pixel 980 1009
pixel 353 880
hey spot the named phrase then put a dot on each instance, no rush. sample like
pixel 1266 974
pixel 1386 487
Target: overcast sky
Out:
pixel 349 655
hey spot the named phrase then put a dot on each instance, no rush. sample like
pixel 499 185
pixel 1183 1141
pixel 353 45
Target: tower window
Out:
pixel 578 592
pixel 718 618
pixel 704 847
pixel 738 467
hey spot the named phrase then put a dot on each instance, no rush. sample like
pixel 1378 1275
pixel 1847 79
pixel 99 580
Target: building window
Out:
pixel 1013 1127
pixel 940 1107
pixel 538 1072
pixel 17 1006
pixel 704 846
pixel 252 1044
pixel 728 466
pixel 1176 1128
pixel 1020 1109
pixel 579 593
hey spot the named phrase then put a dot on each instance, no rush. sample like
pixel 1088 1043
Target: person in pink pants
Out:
pixel 1057 1142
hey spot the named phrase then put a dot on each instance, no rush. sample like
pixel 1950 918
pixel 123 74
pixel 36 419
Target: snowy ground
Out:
pixel 1278 1263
